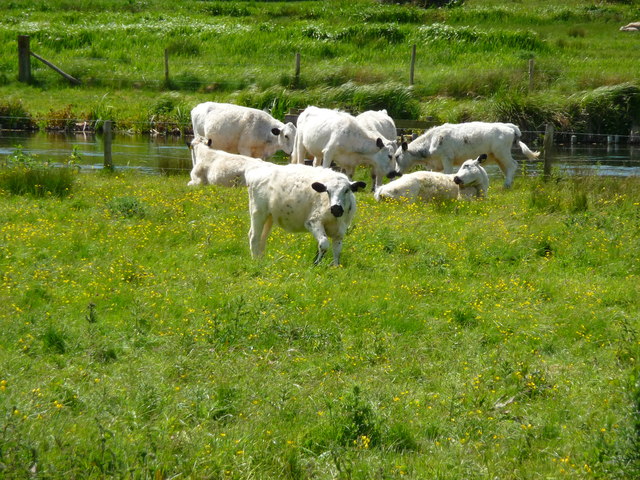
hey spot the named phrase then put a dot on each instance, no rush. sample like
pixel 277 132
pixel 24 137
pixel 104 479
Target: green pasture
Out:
pixel 472 60
pixel 480 340
pixel 496 339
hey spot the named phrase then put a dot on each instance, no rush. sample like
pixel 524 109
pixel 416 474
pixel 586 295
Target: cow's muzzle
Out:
pixel 457 180
pixel 393 174
pixel 337 210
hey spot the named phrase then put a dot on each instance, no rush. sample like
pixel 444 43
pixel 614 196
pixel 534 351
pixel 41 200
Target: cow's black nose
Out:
pixel 457 180
pixel 337 210
pixel 393 174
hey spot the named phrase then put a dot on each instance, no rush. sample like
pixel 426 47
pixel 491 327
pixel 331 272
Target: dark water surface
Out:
pixel 157 154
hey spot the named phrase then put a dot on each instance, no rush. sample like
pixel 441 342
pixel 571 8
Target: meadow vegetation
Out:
pixel 476 340
pixel 472 60
pixel 489 339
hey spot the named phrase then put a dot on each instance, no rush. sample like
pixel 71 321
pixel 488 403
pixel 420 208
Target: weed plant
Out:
pixel 489 339
pixel 24 174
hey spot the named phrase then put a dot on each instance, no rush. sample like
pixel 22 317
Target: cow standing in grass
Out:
pixel 471 181
pixel 442 147
pixel 334 136
pixel 299 198
pixel 243 130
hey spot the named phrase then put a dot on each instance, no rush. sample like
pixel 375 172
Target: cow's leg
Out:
pixel 257 236
pixel 349 171
pixel 508 166
pixel 265 232
pixel 447 165
pixel 327 156
pixel 299 152
pixel 337 249
pixel 317 230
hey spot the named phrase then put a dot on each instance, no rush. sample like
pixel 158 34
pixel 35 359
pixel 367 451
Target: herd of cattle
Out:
pixel 232 145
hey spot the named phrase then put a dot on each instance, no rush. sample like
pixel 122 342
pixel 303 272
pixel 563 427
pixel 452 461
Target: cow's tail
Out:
pixel 531 155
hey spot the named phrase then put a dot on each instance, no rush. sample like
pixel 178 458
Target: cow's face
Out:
pixel 286 136
pixel 340 193
pixel 472 173
pixel 386 158
pixel 404 158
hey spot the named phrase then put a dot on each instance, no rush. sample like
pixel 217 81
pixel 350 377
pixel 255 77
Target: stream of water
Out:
pixel 155 154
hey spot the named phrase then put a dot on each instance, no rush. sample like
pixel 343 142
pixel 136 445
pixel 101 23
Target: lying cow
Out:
pixel 631 27
pixel 451 144
pixel 243 130
pixel 299 198
pixel 381 123
pixel 471 181
pixel 215 167
pixel 334 136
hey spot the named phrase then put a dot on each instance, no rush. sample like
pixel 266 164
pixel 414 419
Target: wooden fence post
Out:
pixel 413 64
pixel 531 65
pixel 107 139
pixel 297 74
pixel 24 59
pixel 548 150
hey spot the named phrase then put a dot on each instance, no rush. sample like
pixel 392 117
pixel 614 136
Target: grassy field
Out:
pixel 494 339
pixel 488 340
pixel 472 61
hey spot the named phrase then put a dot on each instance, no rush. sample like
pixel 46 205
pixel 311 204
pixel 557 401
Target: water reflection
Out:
pixel 170 154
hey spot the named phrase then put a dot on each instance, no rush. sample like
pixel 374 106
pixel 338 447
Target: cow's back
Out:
pixel 378 121
pixel 422 185
pixel 317 126
pixel 284 193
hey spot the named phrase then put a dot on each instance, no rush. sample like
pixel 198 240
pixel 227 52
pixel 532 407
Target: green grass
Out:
pixel 493 339
pixel 469 58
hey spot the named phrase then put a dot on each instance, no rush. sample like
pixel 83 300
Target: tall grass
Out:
pixel 24 174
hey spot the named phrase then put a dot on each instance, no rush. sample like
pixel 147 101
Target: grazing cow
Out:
pixel 381 123
pixel 334 136
pixel 215 167
pixel 243 130
pixel 450 144
pixel 299 198
pixel 470 181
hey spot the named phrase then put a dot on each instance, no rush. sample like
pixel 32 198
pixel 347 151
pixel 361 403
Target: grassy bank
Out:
pixel 472 61
pixel 495 339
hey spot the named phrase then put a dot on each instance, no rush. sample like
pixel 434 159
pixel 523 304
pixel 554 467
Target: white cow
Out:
pixel 451 144
pixel 471 181
pixel 334 136
pixel 299 198
pixel 243 130
pixel 631 27
pixel 215 167
pixel 381 123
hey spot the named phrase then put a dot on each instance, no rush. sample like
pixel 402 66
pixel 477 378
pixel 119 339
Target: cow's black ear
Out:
pixel 209 142
pixel 405 146
pixel 379 143
pixel 481 158
pixel 319 187
pixel 275 131
pixel 355 186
